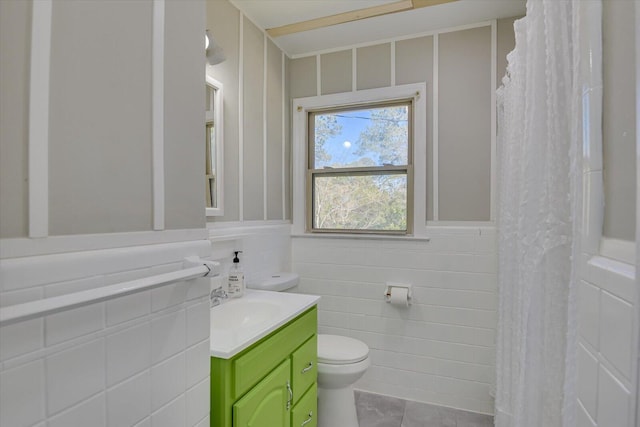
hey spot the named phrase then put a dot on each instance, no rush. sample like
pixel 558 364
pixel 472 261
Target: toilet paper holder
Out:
pixel 389 289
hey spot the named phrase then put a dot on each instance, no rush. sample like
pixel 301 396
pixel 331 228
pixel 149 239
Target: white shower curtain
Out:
pixel 540 202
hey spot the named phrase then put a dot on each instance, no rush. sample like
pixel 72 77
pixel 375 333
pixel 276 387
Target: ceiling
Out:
pixel 275 13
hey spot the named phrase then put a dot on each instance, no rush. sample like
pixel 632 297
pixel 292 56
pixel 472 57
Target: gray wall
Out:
pixel 248 182
pixel 618 120
pixel 100 117
pixel 15 33
pixel 464 114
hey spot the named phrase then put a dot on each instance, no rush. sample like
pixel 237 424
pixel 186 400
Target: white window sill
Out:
pixel 360 237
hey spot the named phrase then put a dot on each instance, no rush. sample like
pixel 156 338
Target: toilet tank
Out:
pixel 276 282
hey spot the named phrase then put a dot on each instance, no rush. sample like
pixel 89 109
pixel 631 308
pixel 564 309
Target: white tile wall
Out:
pixel 605 352
pixel 118 363
pixel 439 350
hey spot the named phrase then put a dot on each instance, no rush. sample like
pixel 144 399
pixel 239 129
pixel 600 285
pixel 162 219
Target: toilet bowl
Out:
pixel 341 362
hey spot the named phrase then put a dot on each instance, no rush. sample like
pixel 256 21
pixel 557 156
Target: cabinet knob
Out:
pixel 308 420
pixel 307 369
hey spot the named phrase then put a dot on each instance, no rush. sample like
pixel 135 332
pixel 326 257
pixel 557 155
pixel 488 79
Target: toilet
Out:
pixel 341 362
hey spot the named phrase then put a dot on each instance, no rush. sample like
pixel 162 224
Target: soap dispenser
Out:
pixel 236 278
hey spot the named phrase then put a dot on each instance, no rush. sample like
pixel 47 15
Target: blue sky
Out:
pixel 353 123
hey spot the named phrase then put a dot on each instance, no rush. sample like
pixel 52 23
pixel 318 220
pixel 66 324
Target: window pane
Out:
pixel 360 202
pixel 364 137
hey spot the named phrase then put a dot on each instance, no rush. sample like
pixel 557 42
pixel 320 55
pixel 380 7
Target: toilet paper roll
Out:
pixel 400 296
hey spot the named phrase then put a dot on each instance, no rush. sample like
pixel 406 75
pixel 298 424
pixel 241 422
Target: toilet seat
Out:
pixel 339 350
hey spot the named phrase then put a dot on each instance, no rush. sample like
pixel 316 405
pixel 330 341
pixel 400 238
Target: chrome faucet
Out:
pixel 216 296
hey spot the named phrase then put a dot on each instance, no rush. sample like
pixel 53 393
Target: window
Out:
pixel 360 163
pixel 359 168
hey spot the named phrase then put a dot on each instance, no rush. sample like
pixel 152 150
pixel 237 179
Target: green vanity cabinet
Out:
pixel 272 383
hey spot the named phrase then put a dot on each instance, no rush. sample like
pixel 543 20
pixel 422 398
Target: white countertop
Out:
pixel 239 322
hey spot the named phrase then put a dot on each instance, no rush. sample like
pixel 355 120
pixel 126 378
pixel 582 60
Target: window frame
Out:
pixel 218 119
pixel 312 171
pixel 416 177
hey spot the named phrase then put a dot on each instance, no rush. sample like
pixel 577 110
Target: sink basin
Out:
pixel 239 314
pixel 239 322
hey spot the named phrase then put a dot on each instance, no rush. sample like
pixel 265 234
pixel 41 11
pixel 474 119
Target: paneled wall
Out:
pixel 459 68
pixel 256 118
pixel 110 129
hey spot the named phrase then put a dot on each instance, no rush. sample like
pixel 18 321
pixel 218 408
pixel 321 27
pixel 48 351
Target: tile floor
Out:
pixel 375 410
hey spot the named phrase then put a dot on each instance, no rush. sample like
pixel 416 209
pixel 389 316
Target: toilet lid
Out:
pixel 339 350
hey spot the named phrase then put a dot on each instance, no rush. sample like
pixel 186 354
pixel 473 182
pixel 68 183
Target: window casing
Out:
pixel 365 186
pixel 417 93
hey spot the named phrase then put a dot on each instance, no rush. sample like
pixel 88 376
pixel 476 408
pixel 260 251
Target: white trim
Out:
pixel 393 63
pixel 417 91
pixel 264 126
pixel 284 138
pixel 318 75
pixel 354 69
pixel 435 128
pixel 25 247
pixel 228 230
pixel 218 111
pixel 38 160
pixel 474 224
pixel 241 119
pixel 360 237
pixel 635 413
pixel 392 39
pixel 494 120
pixel 157 76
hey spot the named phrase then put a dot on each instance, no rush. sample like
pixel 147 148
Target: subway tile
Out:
pixel 91 412
pixel 198 288
pixel 167 381
pixel 74 323
pixel 129 402
pixel 587 387
pixel 589 313
pixel 168 296
pixel 198 322
pixel 72 286
pixel 21 338
pixel 616 332
pixel 22 395
pixel 74 375
pixel 128 353
pixel 144 423
pixel 582 417
pixel 21 296
pixel 171 415
pixel 198 363
pixel 198 402
pixel 613 400
pixel 128 307
pixel 168 335
pixel 204 422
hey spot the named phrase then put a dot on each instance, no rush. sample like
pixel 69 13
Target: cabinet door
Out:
pixel 305 412
pixel 268 403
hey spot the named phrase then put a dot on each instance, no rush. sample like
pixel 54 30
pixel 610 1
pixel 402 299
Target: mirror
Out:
pixel 214 147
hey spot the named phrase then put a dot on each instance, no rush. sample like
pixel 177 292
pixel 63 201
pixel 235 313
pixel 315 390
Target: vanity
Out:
pixel 264 361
